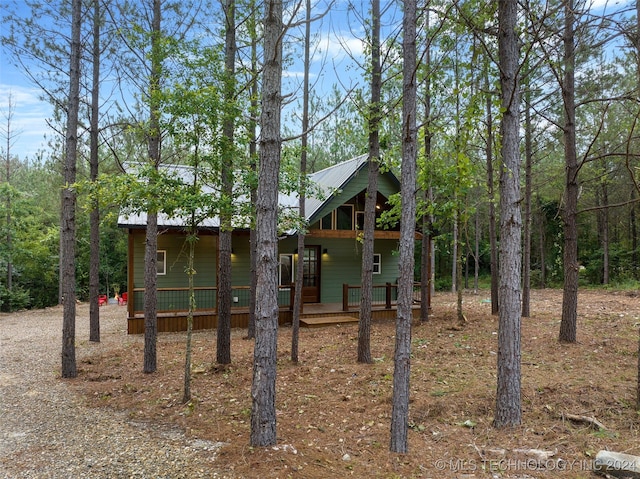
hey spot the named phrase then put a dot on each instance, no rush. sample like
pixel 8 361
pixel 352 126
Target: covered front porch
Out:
pixel 172 315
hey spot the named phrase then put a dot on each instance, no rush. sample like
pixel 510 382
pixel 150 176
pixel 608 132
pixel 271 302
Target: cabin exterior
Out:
pixel 332 258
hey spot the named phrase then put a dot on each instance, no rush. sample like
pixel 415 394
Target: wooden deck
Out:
pixel 319 321
pixel 313 316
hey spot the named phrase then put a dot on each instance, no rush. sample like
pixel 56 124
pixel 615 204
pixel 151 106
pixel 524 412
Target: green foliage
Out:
pixel 33 249
pixel 16 299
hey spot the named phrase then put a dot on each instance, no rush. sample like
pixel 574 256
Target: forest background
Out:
pixel 458 108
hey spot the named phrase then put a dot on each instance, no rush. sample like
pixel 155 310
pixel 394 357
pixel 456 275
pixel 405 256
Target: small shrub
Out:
pixel 14 300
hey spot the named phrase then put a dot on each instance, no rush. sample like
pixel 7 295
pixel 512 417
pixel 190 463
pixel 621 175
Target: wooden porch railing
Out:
pixel 177 299
pixel 172 300
pixel 385 295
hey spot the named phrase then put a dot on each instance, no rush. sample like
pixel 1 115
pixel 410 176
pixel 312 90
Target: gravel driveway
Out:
pixel 46 431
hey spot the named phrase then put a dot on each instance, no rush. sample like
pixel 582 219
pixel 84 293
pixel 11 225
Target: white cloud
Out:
pixel 608 4
pixel 341 46
pixel 28 124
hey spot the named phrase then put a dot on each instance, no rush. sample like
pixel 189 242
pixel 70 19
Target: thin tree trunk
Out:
pixel 455 252
pixel 605 233
pixel 493 236
pixel 150 295
pixel 458 276
pixel 9 237
pixel 568 323
pixel 466 260
pixel 425 269
pixel 432 254
pixel 192 238
pixel 263 389
pixel 633 192
pixel 476 256
pixel 94 216
pixel 633 233
pixel 542 240
pixel 151 239
pixel 223 338
pixel 526 257
pixel 508 397
pixel 425 254
pixel 297 303
pixel 253 155
pixel 402 357
pixel 364 325
pixel 68 226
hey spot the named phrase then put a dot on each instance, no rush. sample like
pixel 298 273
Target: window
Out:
pixel 377 265
pixel 344 217
pixel 286 276
pixel 326 223
pixel 161 262
pixel 360 220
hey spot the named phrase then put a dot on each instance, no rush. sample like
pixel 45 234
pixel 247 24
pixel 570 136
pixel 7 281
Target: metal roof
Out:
pixel 328 181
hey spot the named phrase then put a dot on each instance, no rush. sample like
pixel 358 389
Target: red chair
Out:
pixel 122 300
pixel 102 299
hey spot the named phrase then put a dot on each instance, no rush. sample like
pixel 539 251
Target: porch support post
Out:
pixel 388 295
pixel 345 297
pixel 131 300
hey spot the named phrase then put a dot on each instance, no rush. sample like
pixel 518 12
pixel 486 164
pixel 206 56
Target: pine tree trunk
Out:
pixel 150 296
pixel 191 239
pixel 151 239
pixel 542 242
pixel 425 270
pixel 526 256
pixel 68 226
pixel 297 304
pixel 364 325
pixel 568 323
pixel 508 397
pixel 605 234
pixel 94 216
pixel 425 255
pixel 253 154
pixel 9 237
pixel 223 346
pixel 455 252
pixel 263 389
pixel 493 235
pixel 633 194
pixel 402 357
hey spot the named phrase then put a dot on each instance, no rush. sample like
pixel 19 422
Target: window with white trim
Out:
pixel 377 263
pixel 161 262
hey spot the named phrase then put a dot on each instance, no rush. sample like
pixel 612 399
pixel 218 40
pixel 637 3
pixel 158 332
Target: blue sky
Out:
pixel 30 112
pixel 339 33
pixel 28 124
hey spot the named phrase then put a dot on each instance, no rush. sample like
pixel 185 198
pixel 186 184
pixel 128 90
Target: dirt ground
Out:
pixel 333 415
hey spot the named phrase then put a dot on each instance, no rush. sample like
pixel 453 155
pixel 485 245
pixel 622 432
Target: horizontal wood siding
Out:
pixel 386 187
pixel 174 245
pixel 240 261
pixel 358 183
pixel 176 256
pixel 343 264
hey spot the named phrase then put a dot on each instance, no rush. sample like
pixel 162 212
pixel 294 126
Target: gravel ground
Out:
pixel 46 430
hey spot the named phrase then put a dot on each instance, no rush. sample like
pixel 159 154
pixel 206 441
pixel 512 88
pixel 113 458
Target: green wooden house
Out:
pixel 332 258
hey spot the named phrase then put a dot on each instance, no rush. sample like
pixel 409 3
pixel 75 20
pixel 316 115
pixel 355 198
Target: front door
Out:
pixel 311 278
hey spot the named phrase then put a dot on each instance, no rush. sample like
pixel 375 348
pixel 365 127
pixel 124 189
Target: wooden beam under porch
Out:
pixel 314 315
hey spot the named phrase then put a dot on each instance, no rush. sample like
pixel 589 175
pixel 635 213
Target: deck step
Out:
pixel 319 321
